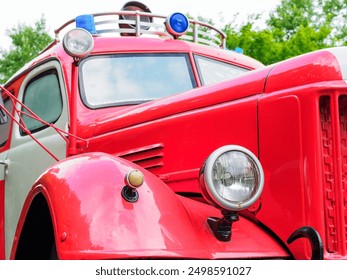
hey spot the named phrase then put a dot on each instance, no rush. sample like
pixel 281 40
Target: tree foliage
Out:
pixel 27 42
pixel 293 28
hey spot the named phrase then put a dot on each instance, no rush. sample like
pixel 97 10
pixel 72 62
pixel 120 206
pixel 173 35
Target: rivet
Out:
pixel 63 237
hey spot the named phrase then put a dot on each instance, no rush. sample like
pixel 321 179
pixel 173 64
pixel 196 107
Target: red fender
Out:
pixel 92 221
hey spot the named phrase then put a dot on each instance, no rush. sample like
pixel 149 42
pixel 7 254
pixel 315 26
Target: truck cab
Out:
pixel 138 135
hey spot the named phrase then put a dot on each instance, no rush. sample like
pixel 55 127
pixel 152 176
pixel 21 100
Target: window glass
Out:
pixel 5 128
pixel 134 78
pixel 43 97
pixel 214 71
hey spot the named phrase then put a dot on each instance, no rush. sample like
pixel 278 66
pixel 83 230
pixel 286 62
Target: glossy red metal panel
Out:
pixel 92 220
pixel 304 70
pixel 280 141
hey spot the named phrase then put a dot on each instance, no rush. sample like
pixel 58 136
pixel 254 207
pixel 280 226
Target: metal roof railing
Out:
pixel 137 23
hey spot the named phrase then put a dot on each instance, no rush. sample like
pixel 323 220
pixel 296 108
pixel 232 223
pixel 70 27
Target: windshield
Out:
pixel 133 78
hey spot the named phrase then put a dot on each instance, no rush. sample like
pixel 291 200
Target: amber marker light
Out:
pixel 133 180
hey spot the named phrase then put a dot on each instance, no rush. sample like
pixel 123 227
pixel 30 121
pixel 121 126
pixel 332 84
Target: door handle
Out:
pixel 4 162
pixel 3 168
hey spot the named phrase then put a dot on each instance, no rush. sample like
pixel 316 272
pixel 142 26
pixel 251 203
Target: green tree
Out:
pixel 27 42
pixel 254 42
pixel 205 34
pixel 293 28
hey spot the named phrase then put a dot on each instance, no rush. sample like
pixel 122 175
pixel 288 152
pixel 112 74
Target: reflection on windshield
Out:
pixel 127 79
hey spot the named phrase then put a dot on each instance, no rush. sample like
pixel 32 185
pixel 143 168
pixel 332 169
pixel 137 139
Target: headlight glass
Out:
pixel 235 176
pixel 232 178
pixel 78 43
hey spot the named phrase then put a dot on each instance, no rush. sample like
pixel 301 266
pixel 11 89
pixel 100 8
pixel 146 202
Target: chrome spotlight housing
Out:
pixel 78 43
pixel 231 178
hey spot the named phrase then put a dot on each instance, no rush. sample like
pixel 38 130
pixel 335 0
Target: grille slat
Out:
pixel 343 143
pixel 147 157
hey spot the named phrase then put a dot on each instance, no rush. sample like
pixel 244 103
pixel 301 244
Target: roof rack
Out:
pixel 114 22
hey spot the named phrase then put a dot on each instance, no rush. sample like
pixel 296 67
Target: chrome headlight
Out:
pixel 78 43
pixel 232 178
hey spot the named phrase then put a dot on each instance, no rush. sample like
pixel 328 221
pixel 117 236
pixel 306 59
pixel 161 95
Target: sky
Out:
pixel 57 13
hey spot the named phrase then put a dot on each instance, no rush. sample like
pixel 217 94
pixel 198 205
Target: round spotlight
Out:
pixel 78 43
pixel 86 22
pixel 177 24
pixel 135 6
pixel 232 178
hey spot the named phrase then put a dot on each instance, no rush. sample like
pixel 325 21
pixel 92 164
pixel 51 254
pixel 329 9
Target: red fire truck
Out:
pixel 136 135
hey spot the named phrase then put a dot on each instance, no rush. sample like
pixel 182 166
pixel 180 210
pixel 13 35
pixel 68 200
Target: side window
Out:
pixel 214 71
pixel 43 96
pixel 5 128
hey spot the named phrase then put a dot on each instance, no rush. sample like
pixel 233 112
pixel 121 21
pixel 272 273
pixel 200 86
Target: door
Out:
pixel 5 123
pixel 43 91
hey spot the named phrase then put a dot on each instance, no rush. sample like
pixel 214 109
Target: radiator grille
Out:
pixel 333 119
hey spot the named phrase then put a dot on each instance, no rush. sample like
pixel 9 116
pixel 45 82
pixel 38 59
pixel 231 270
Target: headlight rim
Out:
pixel 206 181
